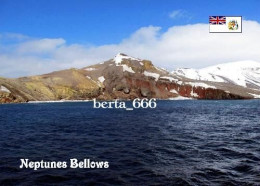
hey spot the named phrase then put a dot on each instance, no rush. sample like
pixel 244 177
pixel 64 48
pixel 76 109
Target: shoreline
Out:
pixel 169 99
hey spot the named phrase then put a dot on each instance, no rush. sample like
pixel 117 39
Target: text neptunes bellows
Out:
pixel 73 163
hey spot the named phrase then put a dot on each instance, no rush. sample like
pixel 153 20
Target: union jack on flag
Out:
pixel 217 20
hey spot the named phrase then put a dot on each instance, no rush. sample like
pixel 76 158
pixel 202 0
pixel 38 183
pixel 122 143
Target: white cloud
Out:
pixel 13 36
pixel 180 46
pixel 40 46
pixel 179 14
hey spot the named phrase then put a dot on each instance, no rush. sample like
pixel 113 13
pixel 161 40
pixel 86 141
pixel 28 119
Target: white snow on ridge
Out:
pixel 90 69
pixel 4 89
pixel 161 69
pixel 171 79
pixel 119 58
pixel 151 74
pixel 198 75
pixel 101 79
pixel 240 73
pixel 194 84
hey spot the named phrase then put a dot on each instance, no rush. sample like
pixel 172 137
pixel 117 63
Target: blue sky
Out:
pixel 40 36
pixel 96 22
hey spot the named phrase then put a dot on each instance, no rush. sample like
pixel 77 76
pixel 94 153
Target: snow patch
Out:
pixel 198 75
pixel 101 79
pixel 119 58
pixel 204 85
pixel 171 79
pixel 255 95
pixel 179 82
pixel 151 74
pixel 4 89
pixel 194 94
pixel 180 98
pixel 173 91
pixel 240 73
pixel 141 63
pixel 90 69
pixel 127 68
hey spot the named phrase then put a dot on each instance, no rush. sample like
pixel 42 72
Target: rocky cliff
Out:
pixel 122 77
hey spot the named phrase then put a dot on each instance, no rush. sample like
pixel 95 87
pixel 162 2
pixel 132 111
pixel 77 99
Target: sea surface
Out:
pixel 187 142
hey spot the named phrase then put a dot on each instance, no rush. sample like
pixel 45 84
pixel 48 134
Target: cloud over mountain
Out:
pixel 180 46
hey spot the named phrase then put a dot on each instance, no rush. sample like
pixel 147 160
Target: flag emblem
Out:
pixel 217 20
pixel 233 25
pixel 225 24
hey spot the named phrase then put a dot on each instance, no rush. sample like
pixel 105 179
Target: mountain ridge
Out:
pixel 240 73
pixel 122 77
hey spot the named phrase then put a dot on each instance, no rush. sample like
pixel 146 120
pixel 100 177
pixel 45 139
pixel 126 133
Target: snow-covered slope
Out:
pixel 120 56
pixel 243 73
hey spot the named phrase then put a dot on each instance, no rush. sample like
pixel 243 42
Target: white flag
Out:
pixel 225 24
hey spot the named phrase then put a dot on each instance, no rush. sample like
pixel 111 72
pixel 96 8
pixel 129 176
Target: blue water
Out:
pixel 178 143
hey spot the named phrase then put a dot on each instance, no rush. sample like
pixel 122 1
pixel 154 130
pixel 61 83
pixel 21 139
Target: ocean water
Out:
pixel 188 142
